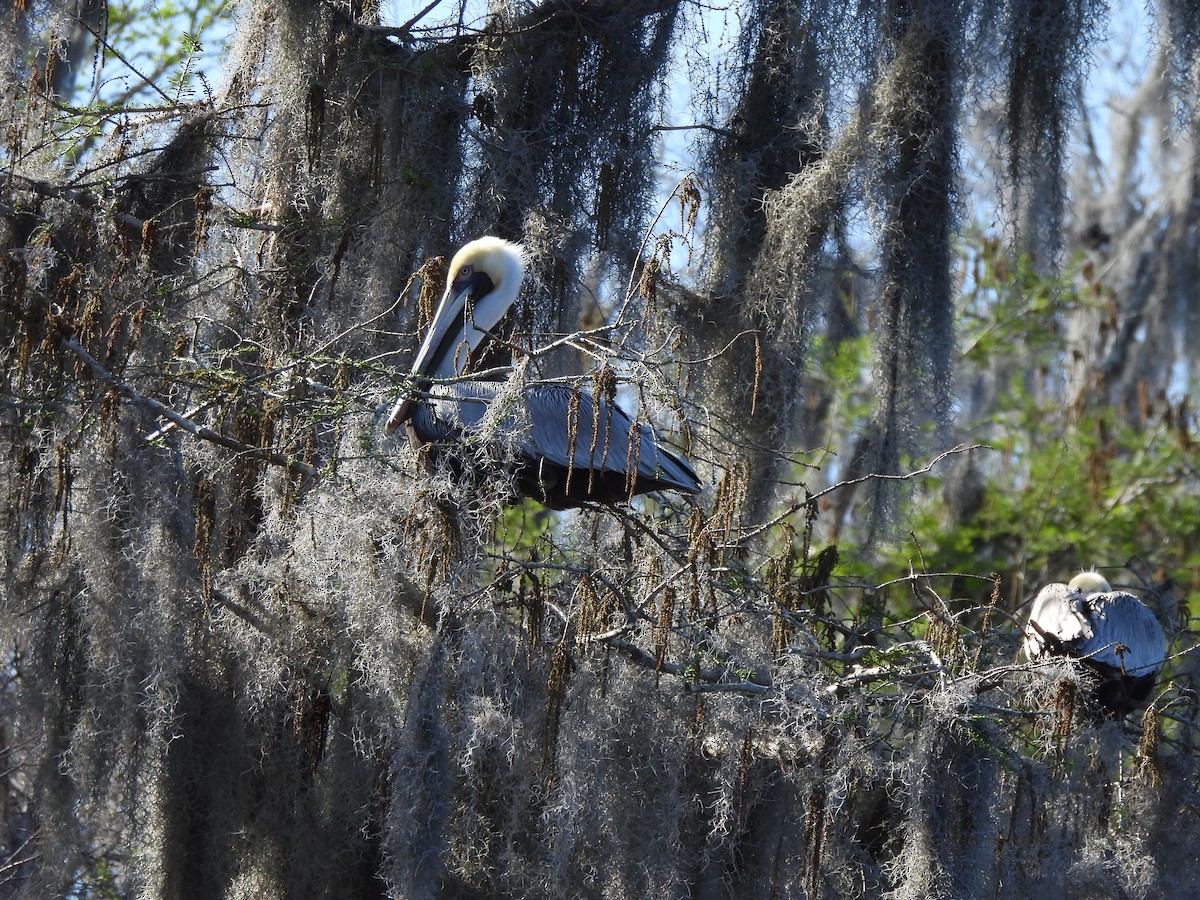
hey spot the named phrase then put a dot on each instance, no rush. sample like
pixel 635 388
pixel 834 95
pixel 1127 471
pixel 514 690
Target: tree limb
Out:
pixel 161 410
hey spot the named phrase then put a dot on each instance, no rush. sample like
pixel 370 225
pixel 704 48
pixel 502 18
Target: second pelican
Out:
pixel 1113 632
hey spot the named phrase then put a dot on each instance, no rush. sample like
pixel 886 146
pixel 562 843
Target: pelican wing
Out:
pixel 1125 635
pixel 575 431
pixel 582 447
pixel 457 409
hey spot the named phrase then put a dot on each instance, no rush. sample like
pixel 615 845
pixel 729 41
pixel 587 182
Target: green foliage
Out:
pixel 150 41
pixel 146 57
pixel 1071 479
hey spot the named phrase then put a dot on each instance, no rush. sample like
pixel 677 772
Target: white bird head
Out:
pixel 484 280
pixel 1088 583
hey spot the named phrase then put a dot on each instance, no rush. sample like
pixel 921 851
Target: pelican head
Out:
pixel 484 280
pixel 1089 583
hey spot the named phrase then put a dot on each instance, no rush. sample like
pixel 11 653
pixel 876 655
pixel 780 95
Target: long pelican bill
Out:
pixel 447 346
pixel 401 413
pixel 484 279
pixel 453 334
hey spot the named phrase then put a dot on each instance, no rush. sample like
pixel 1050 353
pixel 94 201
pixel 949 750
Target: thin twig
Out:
pixel 155 408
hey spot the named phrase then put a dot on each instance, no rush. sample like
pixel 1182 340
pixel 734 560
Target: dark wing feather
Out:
pixel 1112 629
pixel 1125 635
pixel 568 434
pixel 453 410
pixel 575 431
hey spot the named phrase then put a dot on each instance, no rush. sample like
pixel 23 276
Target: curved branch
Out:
pixel 161 410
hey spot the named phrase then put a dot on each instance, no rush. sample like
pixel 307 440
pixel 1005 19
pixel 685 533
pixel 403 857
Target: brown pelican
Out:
pixel 570 446
pixel 1113 632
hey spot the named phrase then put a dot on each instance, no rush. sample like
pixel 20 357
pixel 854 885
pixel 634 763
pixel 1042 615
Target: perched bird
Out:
pixel 570 446
pixel 1113 632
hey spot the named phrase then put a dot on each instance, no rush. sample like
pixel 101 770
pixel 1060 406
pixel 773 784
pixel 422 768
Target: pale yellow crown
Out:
pixel 503 261
pixel 1090 583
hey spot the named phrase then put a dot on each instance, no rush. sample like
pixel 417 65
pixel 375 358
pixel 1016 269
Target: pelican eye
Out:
pixel 466 272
